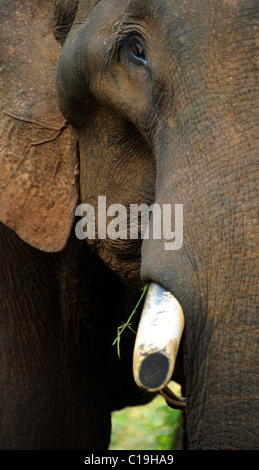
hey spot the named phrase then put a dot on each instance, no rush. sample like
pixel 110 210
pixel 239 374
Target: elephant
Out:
pixel 141 102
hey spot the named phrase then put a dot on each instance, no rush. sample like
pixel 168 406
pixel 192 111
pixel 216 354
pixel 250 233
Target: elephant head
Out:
pixel 159 102
pixel 162 95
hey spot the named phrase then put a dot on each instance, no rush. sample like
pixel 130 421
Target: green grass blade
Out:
pixel 121 328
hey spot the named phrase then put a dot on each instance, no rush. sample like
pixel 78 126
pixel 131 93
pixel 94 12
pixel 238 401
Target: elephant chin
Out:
pixel 159 334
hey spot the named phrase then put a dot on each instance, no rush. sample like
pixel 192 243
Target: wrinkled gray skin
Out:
pixel 175 82
pixel 161 95
pixel 60 306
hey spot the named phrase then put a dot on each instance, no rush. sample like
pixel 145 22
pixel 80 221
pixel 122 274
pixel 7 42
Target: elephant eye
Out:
pixel 132 48
pixel 138 52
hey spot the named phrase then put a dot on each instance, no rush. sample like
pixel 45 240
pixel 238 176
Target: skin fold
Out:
pixel 157 103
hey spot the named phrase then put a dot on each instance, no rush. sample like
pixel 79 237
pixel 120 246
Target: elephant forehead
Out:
pixel 96 12
pixel 179 14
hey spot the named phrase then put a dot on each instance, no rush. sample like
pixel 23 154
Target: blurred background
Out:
pixel 154 426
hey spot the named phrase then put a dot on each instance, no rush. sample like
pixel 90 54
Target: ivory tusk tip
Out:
pixel 158 338
pixel 154 372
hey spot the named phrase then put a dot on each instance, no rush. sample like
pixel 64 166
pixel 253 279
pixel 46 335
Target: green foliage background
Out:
pixel 149 427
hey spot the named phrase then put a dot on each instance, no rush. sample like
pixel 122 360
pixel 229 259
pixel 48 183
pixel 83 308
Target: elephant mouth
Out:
pixel 158 338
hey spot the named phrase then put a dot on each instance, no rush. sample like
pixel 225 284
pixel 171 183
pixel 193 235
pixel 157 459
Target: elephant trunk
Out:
pixel 158 338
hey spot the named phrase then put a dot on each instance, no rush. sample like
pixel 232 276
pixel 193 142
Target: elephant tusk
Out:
pixel 159 334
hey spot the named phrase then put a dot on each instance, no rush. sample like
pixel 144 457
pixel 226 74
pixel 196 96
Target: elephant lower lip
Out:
pixel 159 334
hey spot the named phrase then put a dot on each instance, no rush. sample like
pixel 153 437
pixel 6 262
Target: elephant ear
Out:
pixel 37 147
